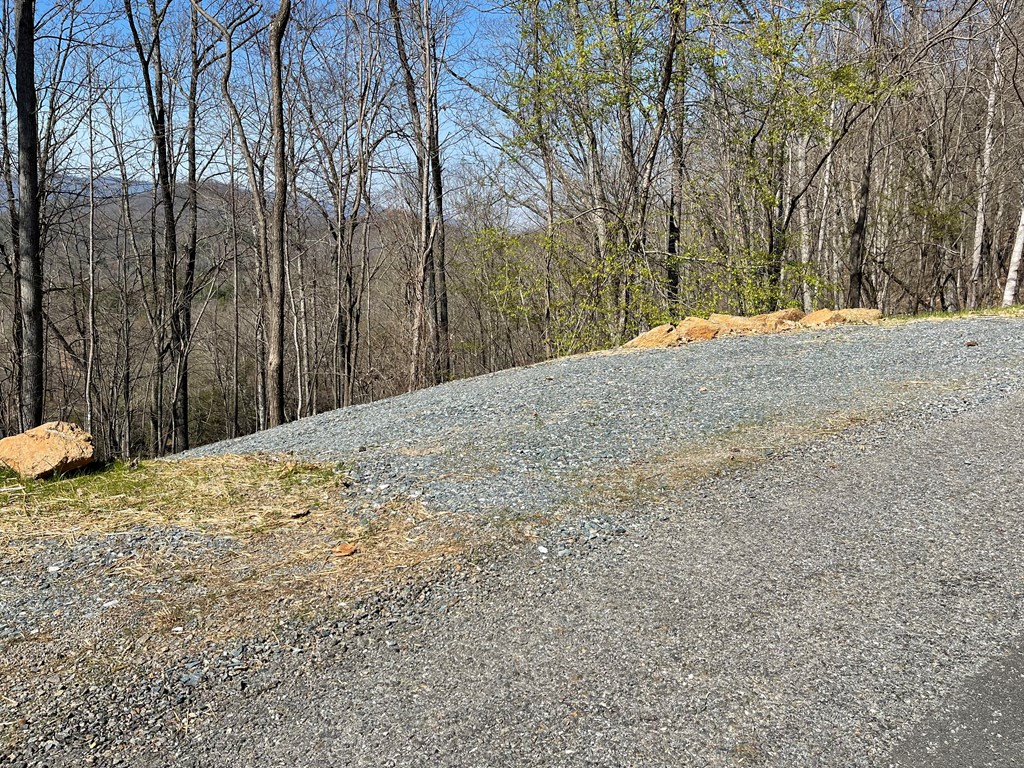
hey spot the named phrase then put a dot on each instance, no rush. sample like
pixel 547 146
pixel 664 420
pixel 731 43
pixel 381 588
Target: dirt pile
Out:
pixel 698 329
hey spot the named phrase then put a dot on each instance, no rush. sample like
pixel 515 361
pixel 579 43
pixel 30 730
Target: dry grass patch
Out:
pixel 229 495
pixel 744 446
pixel 301 570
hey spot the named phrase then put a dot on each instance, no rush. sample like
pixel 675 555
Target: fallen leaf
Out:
pixel 344 550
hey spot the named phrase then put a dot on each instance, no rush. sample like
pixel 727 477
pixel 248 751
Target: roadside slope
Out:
pixel 528 440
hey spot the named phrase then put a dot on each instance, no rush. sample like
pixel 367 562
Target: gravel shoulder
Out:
pixel 818 592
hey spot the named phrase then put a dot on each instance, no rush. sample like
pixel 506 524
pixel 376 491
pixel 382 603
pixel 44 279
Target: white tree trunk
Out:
pixel 1010 292
pixel 974 287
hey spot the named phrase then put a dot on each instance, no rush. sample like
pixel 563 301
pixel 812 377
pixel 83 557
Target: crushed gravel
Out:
pixel 812 608
pixel 526 440
pixel 804 613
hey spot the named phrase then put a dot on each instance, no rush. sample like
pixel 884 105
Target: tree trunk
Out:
pixel 858 237
pixel 423 129
pixel 276 279
pixel 984 172
pixel 1013 273
pixel 236 316
pixel 807 299
pixel 677 140
pixel 30 256
pixel 149 53
pixel 443 333
pixel 90 341
pixel 183 303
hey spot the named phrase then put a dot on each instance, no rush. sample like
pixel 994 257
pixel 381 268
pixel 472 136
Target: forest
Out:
pixel 223 215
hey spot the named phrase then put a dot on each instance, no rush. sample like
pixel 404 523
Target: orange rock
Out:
pixel 56 446
pixel 696 329
pixel 737 324
pixel 822 317
pixel 774 322
pixel 662 336
pixel 769 322
pixel 774 325
pixel 781 316
pixel 860 315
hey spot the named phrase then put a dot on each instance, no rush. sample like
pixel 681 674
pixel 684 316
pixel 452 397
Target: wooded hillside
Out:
pixel 240 214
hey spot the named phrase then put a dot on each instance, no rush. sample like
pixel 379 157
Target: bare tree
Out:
pixel 29 245
pixel 276 264
pixel 1013 271
pixel 985 171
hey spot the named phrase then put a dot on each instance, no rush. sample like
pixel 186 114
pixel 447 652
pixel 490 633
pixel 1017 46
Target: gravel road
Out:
pixel 806 613
pixel 851 598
